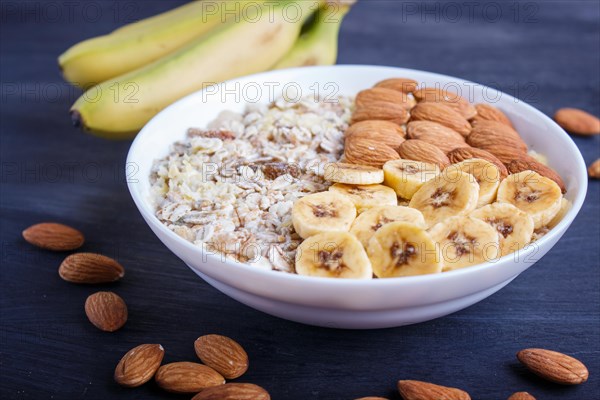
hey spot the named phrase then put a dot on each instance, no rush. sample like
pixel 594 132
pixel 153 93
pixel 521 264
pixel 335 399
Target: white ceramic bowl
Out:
pixel 376 303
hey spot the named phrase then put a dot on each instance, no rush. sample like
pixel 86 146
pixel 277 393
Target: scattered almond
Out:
pixel 577 121
pixel 368 152
pixel 594 169
pixel 139 365
pixel 554 366
pixel 442 114
pixel 521 396
pixel 90 268
pixel 372 398
pixel 223 354
pixel 417 390
pixel 419 150
pixel 438 135
pixel 106 311
pixel 187 377
pixel 485 112
pixel 53 236
pixel 452 100
pixel 527 163
pixel 401 84
pixel 381 131
pixel 381 111
pixel 467 153
pixel 233 391
pixel 379 94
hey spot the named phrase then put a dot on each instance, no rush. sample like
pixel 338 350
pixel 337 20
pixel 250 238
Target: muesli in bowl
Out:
pixel 398 181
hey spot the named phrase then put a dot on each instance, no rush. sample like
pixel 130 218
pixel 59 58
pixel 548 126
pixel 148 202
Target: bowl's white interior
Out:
pixel 197 110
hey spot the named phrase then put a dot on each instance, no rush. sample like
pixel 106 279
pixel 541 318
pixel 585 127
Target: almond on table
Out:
pixel 90 268
pixel 554 366
pixel 139 365
pixel 577 121
pixel 106 311
pixel 54 236
pixel 223 354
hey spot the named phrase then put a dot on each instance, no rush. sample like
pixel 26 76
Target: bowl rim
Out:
pixel 145 208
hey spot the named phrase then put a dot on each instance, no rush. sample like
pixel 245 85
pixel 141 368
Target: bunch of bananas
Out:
pixel 134 72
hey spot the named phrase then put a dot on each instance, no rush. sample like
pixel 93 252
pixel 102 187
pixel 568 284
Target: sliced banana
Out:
pixel 487 176
pixel 537 195
pixel 353 174
pixel 333 255
pixel 366 196
pixel 403 249
pixel 370 221
pixel 514 227
pixel 407 176
pixel 322 212
pixel 451 193
pixel 465 241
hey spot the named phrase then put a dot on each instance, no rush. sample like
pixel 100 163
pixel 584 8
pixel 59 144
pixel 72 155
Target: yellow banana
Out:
pixel 318 44
pixel 121 106
pixel 95 60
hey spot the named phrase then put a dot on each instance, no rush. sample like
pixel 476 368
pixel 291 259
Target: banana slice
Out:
pixel 465 241
pixel 370 221
pixel 407 176
pixel 322 212
pixel 487 176
pixel 366 196
pixel 353 174
pixel 403 249
pixel 451 193
pixel 333 255
pixel 514 227
pixel 537 195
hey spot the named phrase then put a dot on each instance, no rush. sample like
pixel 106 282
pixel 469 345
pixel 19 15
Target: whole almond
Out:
pixel 594 169
pixel 106 311
pixel 381 111
pixel 368 152
pixel 467 153
pixel 379 94
pixel 528 163
pixel 452 100
pixel 381 131
pixel 419 150
pixel 372 398
pixel 485 112
pixel 223 354
pixel 417 390
pixel 577 121
pixel 442 114
pixel 139 365
pixel 187 377
pixel 233 391
pixel 385 127
pixel 521 396
pixel 90 268
pixel 440 136
pixel 498 131
pixel 554 366
pixel 53 236
pixel 405 85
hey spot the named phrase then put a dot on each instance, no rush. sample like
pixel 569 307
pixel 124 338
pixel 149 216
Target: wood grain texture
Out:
pixel 50 171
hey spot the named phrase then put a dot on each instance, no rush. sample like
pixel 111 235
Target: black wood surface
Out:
pixel 545 53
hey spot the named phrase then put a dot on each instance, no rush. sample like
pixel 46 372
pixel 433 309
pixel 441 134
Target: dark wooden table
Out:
pixel 545 53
